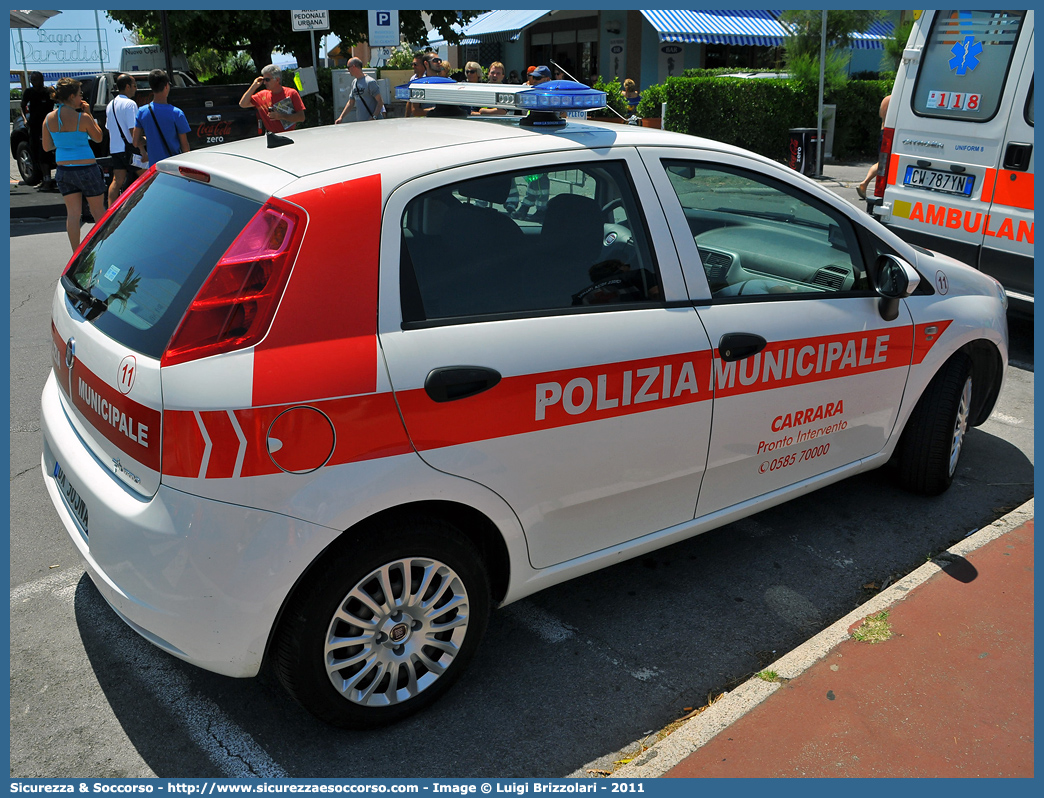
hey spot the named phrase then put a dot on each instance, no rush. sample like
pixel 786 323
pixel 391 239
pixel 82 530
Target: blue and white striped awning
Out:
pixel 493 26
pixel 873 39
pixel 501 26
pixel 718 27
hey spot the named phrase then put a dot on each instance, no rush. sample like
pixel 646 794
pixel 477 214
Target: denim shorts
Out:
pixel 86 180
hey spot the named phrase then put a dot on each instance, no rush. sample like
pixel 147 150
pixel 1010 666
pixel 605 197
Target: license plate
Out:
pixel 937 180
pixel 75 503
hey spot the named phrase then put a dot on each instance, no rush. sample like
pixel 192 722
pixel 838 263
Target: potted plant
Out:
pixel 614 100
pixel 399 68
pixel 649 107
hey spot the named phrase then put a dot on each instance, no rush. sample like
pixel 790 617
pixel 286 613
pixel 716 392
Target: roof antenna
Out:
pixel 562 70
pixel 275 140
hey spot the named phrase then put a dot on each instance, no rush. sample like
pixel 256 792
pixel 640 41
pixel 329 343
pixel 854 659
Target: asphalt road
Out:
pixel 565 681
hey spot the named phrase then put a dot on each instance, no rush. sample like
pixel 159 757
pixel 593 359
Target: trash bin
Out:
pixel 803 141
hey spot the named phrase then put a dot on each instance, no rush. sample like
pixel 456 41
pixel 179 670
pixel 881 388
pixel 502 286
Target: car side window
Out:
pixel 525 241
pixel 760 237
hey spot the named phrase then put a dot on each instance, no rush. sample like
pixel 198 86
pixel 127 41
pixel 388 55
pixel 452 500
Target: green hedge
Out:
pixel 858 127
pixel 757 114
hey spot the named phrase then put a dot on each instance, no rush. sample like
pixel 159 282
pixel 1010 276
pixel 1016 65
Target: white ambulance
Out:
pixel 957 149
pixel 361 388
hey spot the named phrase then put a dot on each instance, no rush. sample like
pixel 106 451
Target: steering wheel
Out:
pixel 611 204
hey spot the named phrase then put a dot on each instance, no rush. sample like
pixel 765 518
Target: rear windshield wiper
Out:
pixel 88 305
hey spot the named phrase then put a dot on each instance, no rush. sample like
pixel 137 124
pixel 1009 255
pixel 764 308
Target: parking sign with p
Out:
pixel 384 28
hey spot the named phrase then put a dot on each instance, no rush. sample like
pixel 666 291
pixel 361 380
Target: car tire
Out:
pixel 27 167
pixel 931 444
pixel 410 645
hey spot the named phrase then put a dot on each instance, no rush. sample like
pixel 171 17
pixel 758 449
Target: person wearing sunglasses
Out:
pixel 432 69
pixel 432 66
pixel 279 107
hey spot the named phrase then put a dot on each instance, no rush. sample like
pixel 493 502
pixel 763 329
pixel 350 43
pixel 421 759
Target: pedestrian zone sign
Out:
pixel 310 20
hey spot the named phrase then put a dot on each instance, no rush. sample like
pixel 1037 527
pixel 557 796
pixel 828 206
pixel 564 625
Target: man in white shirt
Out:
pixel 119 121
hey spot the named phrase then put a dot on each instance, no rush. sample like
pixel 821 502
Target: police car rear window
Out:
pixel 149 260
pixel 533 240
pixel 965 64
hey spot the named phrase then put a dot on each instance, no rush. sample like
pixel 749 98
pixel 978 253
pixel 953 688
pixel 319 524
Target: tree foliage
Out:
pixel 262 32
pixel 804 44
pixel 894 46
pixel 805 29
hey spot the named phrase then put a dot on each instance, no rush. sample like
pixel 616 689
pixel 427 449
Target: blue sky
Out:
pixel 70 41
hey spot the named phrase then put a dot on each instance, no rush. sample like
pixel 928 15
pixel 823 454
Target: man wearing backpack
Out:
pixel 160 128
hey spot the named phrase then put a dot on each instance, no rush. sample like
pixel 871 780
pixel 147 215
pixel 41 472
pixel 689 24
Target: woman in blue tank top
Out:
pixel 69 130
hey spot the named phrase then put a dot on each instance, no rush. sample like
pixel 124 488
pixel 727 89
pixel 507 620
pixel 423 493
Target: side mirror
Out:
pixel 894 279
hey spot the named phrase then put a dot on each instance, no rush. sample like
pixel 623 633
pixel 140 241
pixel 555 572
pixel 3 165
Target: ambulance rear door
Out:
pixel 949 129
pixel 1007 249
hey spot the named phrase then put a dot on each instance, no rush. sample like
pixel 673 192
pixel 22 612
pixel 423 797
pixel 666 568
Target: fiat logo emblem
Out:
pixel 70 352
pixel 398 633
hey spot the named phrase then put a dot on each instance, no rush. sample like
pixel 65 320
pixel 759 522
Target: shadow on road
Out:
pixel 31 227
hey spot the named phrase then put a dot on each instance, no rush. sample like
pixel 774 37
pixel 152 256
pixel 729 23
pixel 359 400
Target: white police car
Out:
pixel 353 392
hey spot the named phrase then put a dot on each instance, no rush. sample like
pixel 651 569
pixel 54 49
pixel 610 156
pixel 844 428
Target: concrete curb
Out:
pixel 667 753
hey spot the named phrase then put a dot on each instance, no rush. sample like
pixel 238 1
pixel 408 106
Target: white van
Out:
pixel 146 57
pixel 957 147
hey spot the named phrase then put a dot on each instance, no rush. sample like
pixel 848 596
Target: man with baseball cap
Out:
pixel 539 74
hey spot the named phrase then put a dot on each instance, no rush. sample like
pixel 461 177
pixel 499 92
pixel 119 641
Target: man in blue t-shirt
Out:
pixel 160 128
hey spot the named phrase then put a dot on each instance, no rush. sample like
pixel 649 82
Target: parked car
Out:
pixel 376 382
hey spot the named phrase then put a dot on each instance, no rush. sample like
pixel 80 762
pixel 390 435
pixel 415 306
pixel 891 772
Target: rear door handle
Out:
pixel 1017 156
pixel 213 117
pixel 449 383
pixel 738 345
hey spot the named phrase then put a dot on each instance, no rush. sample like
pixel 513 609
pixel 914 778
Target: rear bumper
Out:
pixel 201 579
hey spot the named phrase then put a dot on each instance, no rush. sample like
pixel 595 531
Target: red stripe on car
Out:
pixel 130 426
pixel 323 340
pixel 364 428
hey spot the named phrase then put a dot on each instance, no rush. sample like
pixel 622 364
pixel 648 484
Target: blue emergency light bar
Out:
pixel 561 95
pixel 555 95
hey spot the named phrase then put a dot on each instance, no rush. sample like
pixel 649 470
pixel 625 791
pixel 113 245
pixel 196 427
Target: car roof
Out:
pixel 335 146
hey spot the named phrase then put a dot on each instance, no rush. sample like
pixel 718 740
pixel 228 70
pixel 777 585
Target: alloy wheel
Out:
pixel 396 631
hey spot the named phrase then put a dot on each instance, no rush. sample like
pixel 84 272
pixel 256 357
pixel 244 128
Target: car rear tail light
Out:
pixel 235 306
pixel 884 159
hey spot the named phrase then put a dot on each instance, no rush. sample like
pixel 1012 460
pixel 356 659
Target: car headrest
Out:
pixel 493 189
